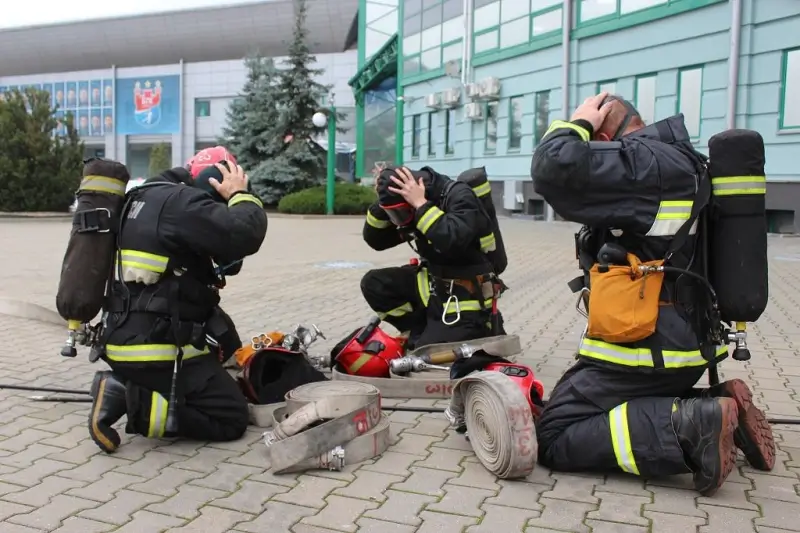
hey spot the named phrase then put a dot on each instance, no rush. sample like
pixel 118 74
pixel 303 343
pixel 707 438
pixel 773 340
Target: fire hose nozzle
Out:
pixel 411 363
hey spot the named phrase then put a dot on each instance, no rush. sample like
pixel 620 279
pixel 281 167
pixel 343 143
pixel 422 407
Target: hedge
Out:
pixel 349 199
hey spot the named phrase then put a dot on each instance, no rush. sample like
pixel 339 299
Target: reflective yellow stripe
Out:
pixel 244 197
pixel 738 185
pixel 672 214
pixel 621 439
pixel 102 184
pixel 482 189
pixel 150 353
pixel 560 124
pixel 358 363
pixel 375 222
pixel 397 311
pixel 488 243
pixel 144 260
pixel 643 357
pixel 426 221
pixel 158 416
pixel 423 286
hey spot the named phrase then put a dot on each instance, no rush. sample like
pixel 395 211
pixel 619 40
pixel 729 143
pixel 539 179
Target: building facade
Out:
pixel 487 100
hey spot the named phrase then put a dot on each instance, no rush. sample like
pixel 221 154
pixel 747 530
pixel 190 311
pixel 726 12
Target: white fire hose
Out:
pixel 325 425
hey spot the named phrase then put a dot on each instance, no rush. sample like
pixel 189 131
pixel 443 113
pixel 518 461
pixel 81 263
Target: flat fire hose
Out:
pixel 499 423
pixel 434 384
pixel 327 425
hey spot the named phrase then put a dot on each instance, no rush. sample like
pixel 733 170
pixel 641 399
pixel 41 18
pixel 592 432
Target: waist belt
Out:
pixel 499 423
pixel 325 425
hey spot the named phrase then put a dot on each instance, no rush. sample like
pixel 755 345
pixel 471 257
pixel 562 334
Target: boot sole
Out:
pixel 754 434
pixel 106 438
pixel 726 446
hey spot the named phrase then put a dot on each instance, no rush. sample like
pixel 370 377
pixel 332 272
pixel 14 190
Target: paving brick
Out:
pixel 369 486
pixel 8 509
pixel 305 528
pixel 774 487
pixel 151 462
pixel 674 501
pixel 415 444
pixel 498 519
pixel 226 476
pixel 77 455
pixel 145 521
pixel 370 525
pixel 454 441
pixel 94 469
pixel 76 524
pixel 206 460
pixel 563 514
pixel 340 514
pixel 574 488
pixel 277 516
pixel 310 491
pixel 119 509
pixel 464 501
pixel 186 503
pixel 50 516
pixel 105 489
pixel 518 494
pixel 401 507
pixel 167 482
pixel 599 526
pixel 35 473
pixel 212 520
pixel 18 425
pixel 475 475
pixel 29 455
pixel 255 457
pixel 425 481
pixel 620 508
pixel 250 497
pixel 444 459
pixel 727 519
pixel 672 523
pixel 444 523
pixel 39 495
pixel 392 462
pixel 776 513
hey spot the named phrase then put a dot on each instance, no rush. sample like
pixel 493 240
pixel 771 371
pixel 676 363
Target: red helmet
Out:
pixel 523 376
pixel 208 157
pixel 370 358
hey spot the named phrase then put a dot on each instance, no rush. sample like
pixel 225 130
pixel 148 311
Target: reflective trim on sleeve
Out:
pixel 150 353
pixel 375 222
pixel 672 214
pixel 739 185
pixel 482 190
pixel 679 359
pixel 244 197
pixel 397 311
pixel 428 219
pixel 102 184
pixel 158 416
pixel 488 243
pixel 560 124
pixel 621 439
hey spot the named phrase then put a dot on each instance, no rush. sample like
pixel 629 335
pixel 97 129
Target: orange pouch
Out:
pixel 623 303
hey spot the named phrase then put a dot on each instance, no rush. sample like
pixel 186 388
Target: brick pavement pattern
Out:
pixel 53 478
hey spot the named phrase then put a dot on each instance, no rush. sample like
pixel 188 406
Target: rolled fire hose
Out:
pixel 434 384
pixel 326 425
pixel 499 422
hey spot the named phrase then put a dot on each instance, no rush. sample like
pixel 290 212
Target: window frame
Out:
pixel 536 95
pixel 416 130
pixel 486 148
pixel 417 57
pixel 681 70
pixel 449 121
pixel 600 83
pixel 617 14
pixel 531 39
pixel 431 145
pixel 205 102
pixel 653 75
pixel 517 98
pixel 782 126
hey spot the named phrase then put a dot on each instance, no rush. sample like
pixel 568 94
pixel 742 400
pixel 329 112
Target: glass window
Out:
pixel 515 111
pixel 592 9
pixel 487 16
pixel 538 5
pixel 412 6
pixel 546 23
pixel 542 115
pixel 514 9
pixel 453 29
pixel 411 66
pixel 432 37
pixel 629 6
pixel 491 126
pixel 412 25
pixel 645 100
pixel 432 17
pixel 202 108
pixel 513 33
pixel 451 52
pixel 609 86
pixel 485 42
pixel 432 59
pixel 431 145
pixel 690 94
pixel 449 131
pixel 416 141
pixel 790 114
pixel 411 44
pixel 452 8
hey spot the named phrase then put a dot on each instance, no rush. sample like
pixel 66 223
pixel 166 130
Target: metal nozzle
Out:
pixel 411 363
pixel 336 459
pixel 457 421
pixel 465 351
pixel 740 351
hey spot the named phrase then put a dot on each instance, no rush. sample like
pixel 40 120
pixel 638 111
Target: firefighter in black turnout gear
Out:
pixel 452 294
pixel 628 403
pixel 164 302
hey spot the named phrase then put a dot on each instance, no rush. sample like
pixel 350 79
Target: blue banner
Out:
pixel 148 105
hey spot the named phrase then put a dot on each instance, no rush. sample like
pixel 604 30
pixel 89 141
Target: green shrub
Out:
pixel 350 199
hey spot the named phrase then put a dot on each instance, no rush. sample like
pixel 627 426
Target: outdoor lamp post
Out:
pixel 319 119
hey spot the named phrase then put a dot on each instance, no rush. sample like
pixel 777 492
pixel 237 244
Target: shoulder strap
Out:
pixel 701 200
pixel 445 191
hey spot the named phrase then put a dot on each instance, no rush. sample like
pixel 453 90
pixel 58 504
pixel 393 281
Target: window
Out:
pixel 202 108
pixel 508 23
pixel 491 126
pixel 416 135
pixel 431 143
pixel 449 132
pixel 433 33
pixel 645 97
pixel 515 112
pixel 790 83
pixel 542 116
pixel 609 86
pixel 690 94
pixel 592 10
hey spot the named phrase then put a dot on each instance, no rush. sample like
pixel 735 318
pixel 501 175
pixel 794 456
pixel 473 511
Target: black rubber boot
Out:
pixel 754 434
pixel 705 428
pixel 109 405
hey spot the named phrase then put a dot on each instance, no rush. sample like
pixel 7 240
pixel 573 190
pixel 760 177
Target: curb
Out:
pixel 37 216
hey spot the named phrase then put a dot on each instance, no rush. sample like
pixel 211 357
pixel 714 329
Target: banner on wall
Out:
pixel 148 105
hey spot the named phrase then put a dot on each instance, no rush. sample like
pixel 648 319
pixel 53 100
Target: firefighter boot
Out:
pixel 705 429
pixel 109 405
pixel 754 434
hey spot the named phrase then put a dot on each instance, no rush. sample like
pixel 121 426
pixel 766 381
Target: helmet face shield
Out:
pixel 399 214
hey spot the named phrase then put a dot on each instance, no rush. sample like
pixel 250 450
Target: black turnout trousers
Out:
pixel 604 420
pixel 398 294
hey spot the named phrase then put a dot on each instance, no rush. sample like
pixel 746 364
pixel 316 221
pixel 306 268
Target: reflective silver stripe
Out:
pixel 621 438
pixel 603 351
pixel 244 197
pixel 739 185
pixel 672 214
pixel 158 416
pixel 102 184
pixel 148 353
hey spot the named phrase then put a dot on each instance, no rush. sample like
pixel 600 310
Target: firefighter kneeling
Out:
pixel 628 404
pixel 164 302
pixel 452 294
